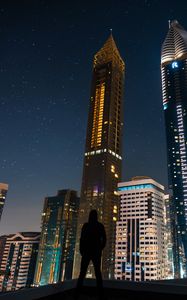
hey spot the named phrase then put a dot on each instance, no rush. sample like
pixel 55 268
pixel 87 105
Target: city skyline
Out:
pixel 36 108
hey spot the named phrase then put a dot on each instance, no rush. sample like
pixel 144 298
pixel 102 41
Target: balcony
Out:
pixel 114 290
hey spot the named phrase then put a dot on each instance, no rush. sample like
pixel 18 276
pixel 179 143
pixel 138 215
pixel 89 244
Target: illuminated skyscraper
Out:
pixel 170 226
pixel 140 234
pixel 3 192
pixel 57 244
pixel 19 260
pixel 103 151
pixel 174 90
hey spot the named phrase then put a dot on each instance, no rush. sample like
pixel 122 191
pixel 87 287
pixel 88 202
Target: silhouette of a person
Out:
pixel 92 242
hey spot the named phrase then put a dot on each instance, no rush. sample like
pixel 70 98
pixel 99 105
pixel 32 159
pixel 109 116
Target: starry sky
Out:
pixel 46 53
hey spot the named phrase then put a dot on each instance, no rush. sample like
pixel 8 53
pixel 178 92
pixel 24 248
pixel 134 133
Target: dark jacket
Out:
pixel 93 238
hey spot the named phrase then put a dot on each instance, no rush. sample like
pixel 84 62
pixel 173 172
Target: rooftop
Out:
pixel 113 289
pixel 175 44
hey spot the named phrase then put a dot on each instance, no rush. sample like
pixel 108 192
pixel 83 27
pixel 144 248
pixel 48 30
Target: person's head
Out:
pixel 93 216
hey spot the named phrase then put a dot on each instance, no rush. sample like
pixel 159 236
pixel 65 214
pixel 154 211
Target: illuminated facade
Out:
pixel 174 90
pixel 3 192
pixel 140 234
pixel 19 260
pixel 103 153
pixel 56 250
pixel 3 239
pixel 170 225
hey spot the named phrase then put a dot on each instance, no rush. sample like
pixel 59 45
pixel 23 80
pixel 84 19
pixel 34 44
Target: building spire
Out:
pixel 175 43
pixel 108 52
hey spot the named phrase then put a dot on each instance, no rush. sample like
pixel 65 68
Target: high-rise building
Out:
pixel 169 223
pixel 103 150
pixel 19 260
pixel 57 245
pixel 3 192
pixel 140 233
pixel 174 90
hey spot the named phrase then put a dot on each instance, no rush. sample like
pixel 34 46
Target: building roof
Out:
pixel 30 234
pixel 175 43
pixel 144 182
pixel 25 236
pixel 3 186
pixel 109 52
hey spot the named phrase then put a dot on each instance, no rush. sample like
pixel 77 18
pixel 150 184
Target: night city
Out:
pixel 93 164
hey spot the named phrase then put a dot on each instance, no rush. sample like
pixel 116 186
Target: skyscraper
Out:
pixel 169 223
pixel 3 192
pixel 174 90
pixel 140 234
pixel 103 150
pixel 19 260
pixel 57 244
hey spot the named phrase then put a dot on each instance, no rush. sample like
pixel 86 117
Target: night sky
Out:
pixel 46 53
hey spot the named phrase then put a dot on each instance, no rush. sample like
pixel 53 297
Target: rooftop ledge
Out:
pixel 114 289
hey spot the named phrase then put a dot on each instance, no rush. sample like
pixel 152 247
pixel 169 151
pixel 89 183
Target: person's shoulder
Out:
pixel 85 225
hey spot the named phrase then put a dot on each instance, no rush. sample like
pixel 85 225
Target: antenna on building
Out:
pixel 169 22
pixel 111 30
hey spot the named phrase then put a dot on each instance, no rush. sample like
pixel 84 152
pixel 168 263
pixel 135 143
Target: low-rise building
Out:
pixel 140 235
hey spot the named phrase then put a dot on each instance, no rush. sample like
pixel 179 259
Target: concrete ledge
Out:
pixel 115 287
pixel 39 292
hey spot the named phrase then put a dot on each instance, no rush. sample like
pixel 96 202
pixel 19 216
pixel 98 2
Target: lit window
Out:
pixel 174 64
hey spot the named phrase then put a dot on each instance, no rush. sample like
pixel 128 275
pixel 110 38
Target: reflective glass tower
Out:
pixel 174 90
pixel 57 244
pixel 103 150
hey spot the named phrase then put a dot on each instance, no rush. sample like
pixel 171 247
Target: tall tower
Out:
pixel 103 151
pixel 174 90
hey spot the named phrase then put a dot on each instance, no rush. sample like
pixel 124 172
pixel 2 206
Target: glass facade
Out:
pixel 136 187
pixel 174 90
pixel 56 250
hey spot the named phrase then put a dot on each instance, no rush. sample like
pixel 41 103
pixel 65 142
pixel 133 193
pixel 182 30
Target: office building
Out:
pixel 19 260
pixel 140 233
pixel 57 245
pixel 174 91
pixel 103 151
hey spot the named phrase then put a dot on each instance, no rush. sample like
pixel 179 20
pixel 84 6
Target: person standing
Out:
pixel 92 242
